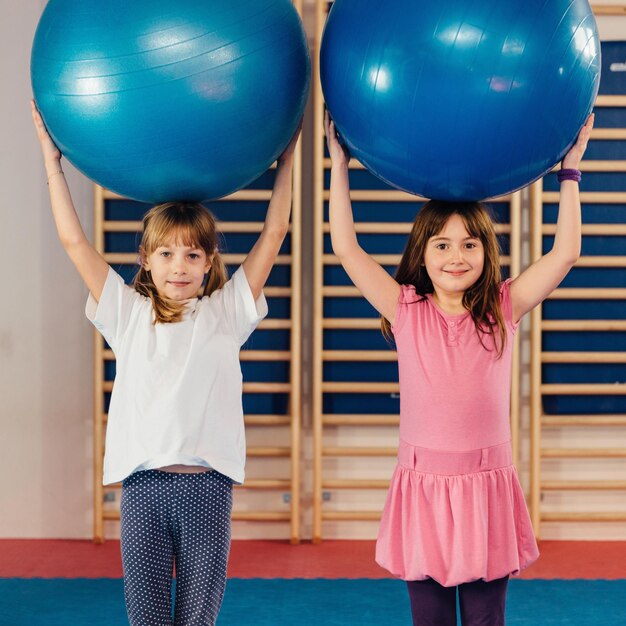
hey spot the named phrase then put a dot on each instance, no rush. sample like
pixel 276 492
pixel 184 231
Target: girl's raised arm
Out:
pixel 89 263
pixel 376 285
pixel 259 262
pixel 535 284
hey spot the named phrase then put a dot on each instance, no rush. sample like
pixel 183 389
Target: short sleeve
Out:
pixel 242 311
pixel 407 297
pixel 507 305
pixel 111 313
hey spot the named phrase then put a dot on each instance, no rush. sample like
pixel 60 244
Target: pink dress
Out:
pixel 455 511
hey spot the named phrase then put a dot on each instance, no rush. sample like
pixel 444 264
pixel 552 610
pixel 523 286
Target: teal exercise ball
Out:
pixel 162 100
pixel 460 99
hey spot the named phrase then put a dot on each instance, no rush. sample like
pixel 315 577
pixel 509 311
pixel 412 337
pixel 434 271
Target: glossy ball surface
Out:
pixel 164 100
pixel 458 99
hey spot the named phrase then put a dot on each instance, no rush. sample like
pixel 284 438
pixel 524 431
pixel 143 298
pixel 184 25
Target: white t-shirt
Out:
pixel 177 397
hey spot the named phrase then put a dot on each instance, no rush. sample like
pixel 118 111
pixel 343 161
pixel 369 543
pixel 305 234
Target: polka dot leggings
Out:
pixel 176 519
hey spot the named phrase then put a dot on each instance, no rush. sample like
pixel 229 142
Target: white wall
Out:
pixel 45 340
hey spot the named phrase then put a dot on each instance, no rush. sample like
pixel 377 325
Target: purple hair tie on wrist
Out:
pixel 569 174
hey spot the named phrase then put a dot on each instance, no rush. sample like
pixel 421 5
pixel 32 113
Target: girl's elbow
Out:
pixel 277 232
pixel 570 259
pixel 574 256
pixel 342 250
pixel 567 256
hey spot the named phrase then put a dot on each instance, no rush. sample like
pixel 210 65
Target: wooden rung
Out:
pixel 555 421
pixel 585 389
pixel 267 420
pixel 354 323
pixel 583 325
pixel 583 453
pixel 122 226
pixel 589 197
pixel 351 516
pixel 359 355
pixel 266 483
pixel 607 230
pixel 274 324
pixel 354 387
pixel 265 355
pixel 269 451
pixel 583 485
pixel 601 261
pixel 400 228
pixel 583 357
pixel 381 259
pixel 600 166
pixel 379 195
pixel 608 134
pixel 110 515
pixel 266 387
pixel 243 194
pixel 604 100
pixel 334 451
pixel 343 291
pixel 390 195
pixel 588 293
pixel 135 226
pixel 242 227
pixel 260 516
pixel 355 484
pixel 360 420
pixel 277 292
pixel 584 517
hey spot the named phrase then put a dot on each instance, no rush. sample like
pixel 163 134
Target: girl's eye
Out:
pixel 441 246
pixel 194 256
pixel 165 253
pixel 470 245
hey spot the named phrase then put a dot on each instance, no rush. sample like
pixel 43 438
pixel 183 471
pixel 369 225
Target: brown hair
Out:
pixel 482 299
pixel 192 225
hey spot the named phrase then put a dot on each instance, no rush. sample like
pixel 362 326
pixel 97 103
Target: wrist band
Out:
pixel 54 174
pixel 569 174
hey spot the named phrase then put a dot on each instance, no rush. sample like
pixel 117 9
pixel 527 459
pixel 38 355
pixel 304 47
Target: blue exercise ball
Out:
pixel 164 100
pixel 460 99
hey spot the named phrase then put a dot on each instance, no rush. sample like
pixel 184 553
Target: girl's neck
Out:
pixel 451 303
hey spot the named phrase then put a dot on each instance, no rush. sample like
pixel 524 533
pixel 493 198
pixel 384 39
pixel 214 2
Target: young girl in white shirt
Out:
pixel 175 435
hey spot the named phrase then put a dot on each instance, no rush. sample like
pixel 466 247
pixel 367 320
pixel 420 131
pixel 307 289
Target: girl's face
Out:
pixel 454 260
pixel 177 270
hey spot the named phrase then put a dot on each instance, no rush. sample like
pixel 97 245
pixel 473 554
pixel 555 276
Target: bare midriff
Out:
pixel 184 469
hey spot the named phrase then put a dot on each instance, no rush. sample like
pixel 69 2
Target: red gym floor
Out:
pixel 274 559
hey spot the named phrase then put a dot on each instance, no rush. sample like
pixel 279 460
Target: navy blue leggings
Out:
pixel 482 603
pixel 176 519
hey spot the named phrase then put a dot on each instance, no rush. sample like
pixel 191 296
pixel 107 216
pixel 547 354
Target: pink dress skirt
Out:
pixel 455 517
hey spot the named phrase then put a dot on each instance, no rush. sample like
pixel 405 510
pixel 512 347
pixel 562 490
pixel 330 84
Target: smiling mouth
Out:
pixel 457 272
pixel 177 283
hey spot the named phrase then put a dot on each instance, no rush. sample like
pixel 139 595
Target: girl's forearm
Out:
pixel 67 223
pixel 567 240
pixel 279 209
pixel 342 231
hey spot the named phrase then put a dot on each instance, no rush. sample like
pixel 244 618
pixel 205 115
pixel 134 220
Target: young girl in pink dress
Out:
pixel 455 515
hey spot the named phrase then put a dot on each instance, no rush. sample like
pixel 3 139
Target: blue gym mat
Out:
pixel 317 602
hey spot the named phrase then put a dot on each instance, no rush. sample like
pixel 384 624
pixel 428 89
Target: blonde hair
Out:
pixel 482 299
pixel 192 225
